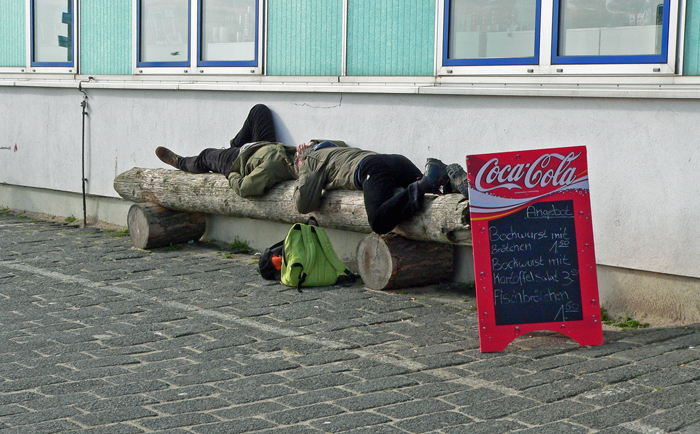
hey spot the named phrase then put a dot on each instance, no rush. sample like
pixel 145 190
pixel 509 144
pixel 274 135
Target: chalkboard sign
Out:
pixel 533 246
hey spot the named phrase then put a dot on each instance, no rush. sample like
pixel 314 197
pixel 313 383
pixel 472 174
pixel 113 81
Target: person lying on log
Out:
pixel 253 163
pixel 393 187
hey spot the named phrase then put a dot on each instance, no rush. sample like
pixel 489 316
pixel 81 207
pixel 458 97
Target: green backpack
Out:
pixel 310 260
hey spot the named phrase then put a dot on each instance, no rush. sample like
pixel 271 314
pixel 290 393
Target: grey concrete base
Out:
pixel 108 210
pixel 650 297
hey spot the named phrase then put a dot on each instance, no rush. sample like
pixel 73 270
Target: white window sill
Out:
pixel 667 86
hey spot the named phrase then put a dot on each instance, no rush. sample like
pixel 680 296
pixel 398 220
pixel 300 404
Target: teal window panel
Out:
pixel 304 37
pixel 105 37
pixel 13 33
pixel 391 37
pixel 691 59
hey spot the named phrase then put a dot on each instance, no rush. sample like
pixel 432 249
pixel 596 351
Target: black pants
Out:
pixel 257 127
pixel 385 181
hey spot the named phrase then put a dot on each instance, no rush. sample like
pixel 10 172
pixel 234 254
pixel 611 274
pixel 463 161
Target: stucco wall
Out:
pixel 642 153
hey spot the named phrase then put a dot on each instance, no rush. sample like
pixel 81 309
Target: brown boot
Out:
pixel 167 156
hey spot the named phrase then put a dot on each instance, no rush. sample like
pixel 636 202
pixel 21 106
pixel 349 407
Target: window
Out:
pixel 218 36
pixel 228 33
pixel 52 33
pixel 555 36
pixel 164 33
pixel 492 32
pixel 610 31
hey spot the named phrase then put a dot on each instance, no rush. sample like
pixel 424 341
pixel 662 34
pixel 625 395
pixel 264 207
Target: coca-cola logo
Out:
pixel 540 173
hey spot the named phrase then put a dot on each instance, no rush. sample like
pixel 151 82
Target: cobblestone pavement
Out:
pixel 98 337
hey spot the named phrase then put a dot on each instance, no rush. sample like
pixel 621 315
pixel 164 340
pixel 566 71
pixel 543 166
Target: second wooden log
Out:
pixel 152 225
pixel 391 261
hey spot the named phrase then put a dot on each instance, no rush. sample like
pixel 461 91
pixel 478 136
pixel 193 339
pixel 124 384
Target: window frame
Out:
pixel 227 63
pixel 619 59
pixel 490 60
pixel 179 64
pixel 194 64
pixel 68 67
pixel 549 64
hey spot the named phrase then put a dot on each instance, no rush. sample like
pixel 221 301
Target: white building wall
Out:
pixel 642 153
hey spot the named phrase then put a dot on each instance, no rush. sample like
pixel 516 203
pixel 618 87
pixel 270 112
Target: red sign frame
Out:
pixel 510 185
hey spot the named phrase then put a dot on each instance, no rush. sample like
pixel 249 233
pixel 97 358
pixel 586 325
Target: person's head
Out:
pixel 302 152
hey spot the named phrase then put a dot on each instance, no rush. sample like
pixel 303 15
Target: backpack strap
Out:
pixel 302 276
pixel 329 251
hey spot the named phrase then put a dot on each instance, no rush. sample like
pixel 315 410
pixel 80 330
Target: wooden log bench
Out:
pixel 442 224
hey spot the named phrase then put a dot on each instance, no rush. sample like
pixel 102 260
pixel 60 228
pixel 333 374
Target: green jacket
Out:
pixel 260 166
pixel 326 169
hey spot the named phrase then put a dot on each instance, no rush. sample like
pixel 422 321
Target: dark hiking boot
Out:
pixel 167 156
pixel 458 179
pixel 435 176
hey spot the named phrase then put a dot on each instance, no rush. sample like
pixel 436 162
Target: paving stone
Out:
pixel 376 429
pixel 302 414
pixel 675 418
pixel 560 390
pixel 434 389
pixel 554 428
pixel 507 373
pixel 314 397
pixel 533 380
pixel 473 397
pixel 234 427
pixel 615 393
pixel 202 378
pixel 72 387
pixel 595 365
pixel 46 402
pixel 249 410
pixel 553 362
pixel 430 422
pixel 323 381
pixel 191 405
pixel 6 410
pixel 50 427
pixel 349 421
pixel 415 408
pixel 28 383
pixel 443 360
pixel 113 429
pixel 113 416
pixel 612 415
pixel 622 430
pixel 488 427
pixel 668 377
pixel 257 394
pixel 675 358
pixel 133 388
pixel 372 400
pixel 115 403
pixel 623 373
pixel 498 407
pixel 549 413
pixel 184 393
pixel 671 396
pixel 651 336
pixel 294 429
pixel 692 429
pixel 180 420
pixel 39 416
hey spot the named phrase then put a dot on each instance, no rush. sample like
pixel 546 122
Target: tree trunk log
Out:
pixel 445 219
pixel 391 261
pixel 151 226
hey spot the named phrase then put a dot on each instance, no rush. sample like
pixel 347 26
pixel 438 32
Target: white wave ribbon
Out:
pixel 482 203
